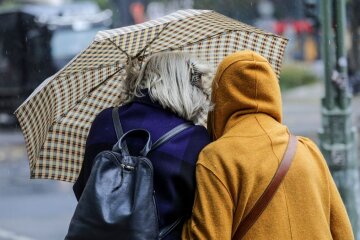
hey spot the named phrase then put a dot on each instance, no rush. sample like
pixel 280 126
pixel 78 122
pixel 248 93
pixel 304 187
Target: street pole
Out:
pixel 338 138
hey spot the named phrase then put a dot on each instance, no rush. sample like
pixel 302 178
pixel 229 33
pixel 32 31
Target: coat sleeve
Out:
pixel 95 143
pixel 340 225
pixel 339 221
pixel 212 213
pixel 81 181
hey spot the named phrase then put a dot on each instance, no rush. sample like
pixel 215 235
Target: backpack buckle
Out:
pixel 127 167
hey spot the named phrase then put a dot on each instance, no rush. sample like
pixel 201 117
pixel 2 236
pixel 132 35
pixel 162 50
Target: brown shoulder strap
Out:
pixel 269 192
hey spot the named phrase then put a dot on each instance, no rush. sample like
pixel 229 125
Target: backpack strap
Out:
pixel 118 128
pixel 117 124
pixel 167 229
pixel 269 192
pixel 170 134
pixel 164 138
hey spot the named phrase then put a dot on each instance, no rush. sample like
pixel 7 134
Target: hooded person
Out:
pixel 249 142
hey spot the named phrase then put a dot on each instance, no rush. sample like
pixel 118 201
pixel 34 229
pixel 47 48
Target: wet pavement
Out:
pixel 30 209
pixel 302 110
pixel 41 209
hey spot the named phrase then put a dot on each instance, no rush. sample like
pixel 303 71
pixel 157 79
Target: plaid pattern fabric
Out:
pixel 56 118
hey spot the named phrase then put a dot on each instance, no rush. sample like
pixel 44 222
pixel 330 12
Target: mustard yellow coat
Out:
pixel 233 171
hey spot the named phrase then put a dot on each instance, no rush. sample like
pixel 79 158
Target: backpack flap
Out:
pixel 118 200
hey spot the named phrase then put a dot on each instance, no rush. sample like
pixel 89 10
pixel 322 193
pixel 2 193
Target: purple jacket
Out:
pixel 174 162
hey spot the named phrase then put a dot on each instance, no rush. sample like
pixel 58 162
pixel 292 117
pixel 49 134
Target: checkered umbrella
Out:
pixel 56 118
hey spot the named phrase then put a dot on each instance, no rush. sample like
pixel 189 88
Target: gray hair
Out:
pixel 175 80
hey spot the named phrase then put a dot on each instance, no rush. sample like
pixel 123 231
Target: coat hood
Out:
pixel 244 84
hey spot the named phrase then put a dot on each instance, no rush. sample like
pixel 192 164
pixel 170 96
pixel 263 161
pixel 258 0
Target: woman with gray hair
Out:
pixel 167 92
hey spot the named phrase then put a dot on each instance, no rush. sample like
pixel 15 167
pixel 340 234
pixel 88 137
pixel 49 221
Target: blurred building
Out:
pixel 37 40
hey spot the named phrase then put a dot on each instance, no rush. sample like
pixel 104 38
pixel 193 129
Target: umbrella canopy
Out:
pixel 56 118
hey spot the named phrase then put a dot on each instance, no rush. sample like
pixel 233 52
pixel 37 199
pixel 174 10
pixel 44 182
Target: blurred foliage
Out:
pixel 294 76
pixel 103 4
pixel 7 3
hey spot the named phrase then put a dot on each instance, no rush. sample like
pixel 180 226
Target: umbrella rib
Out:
pixel 94 88
pixel 129 57
pixel 90 91
pixel 147 45
pixel 200 40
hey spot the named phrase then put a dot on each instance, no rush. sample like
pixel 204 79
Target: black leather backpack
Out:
pixel 118 201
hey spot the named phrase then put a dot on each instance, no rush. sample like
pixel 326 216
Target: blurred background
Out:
pixel 38 37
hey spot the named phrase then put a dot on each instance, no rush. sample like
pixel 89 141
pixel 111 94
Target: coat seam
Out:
pixel 213 173
pixel 256 89
pixel 249 136
pixel 271 142
pixel 272 148
pixel 327 181
pixel 287 209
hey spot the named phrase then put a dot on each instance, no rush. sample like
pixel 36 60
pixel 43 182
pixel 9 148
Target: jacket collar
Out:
pixel 146 99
